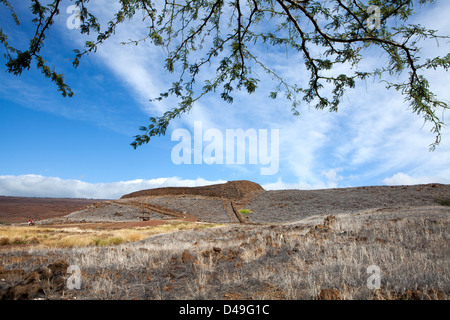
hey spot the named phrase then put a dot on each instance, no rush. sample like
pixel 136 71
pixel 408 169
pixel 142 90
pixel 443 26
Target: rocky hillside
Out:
pixel 230 190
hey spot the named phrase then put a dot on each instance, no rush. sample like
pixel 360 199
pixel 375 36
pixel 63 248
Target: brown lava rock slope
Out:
pixel 221 203
pixel 232 190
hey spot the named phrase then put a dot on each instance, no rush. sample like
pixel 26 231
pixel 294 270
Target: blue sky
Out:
pixel 79 147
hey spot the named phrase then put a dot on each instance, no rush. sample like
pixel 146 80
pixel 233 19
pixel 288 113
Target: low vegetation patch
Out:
pixel 443 201
pixel 76 237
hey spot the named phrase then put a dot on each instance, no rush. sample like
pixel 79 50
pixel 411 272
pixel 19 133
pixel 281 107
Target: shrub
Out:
pixel 4 241
pixel 18 241
pixel 443 202
pixel 108 241
pixel 245 211
pixel 115 240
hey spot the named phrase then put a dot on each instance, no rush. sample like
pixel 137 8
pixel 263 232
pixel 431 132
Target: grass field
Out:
pixel 323 257
pixel 76 237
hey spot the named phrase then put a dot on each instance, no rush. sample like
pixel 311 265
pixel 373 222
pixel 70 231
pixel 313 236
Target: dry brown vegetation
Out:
pixel 294 245
pixel 318 258
pixel 74 236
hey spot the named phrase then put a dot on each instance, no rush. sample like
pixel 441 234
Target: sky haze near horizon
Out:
pixel 80 147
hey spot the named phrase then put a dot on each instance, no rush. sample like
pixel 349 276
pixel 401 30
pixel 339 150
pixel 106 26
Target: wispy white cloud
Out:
pixel 331 178
pixel 405 179
pixel 42 186
pixel 301 185
pixel 372 136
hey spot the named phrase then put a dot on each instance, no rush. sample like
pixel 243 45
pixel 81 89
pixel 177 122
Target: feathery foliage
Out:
pixel 199 35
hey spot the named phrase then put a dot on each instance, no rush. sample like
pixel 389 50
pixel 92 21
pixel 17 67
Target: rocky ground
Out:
pixel 292 244
pixel 323 257
pixel 292 205
pixel 282 206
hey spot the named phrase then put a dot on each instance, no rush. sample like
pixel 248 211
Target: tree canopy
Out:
pixel 198 36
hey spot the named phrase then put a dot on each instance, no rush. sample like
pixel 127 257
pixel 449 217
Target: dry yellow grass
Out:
pixel 76 237
pixel 286 261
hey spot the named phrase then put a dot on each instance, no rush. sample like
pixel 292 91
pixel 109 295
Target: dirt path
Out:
pixel 110 225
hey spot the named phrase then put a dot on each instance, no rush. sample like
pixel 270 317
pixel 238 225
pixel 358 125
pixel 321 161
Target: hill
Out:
pixel 232 190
